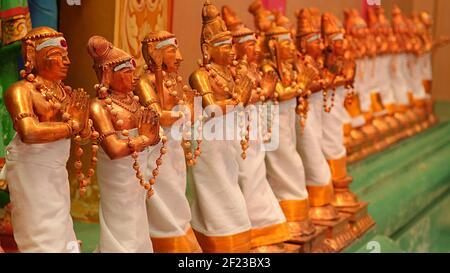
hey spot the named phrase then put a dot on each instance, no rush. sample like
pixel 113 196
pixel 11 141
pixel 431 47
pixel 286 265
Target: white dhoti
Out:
pixel 399 76
pixel 168 210
pixel 369 83
pixel 219 213
pixel 415 77
pixel 40 196
pixel 384 86
pixel 266 217
pixel 317 171
pixel 285 170
pixel 122 211
pixel 333 130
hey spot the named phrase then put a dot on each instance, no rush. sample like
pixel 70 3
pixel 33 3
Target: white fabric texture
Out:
pixel 427 67
pixel 333 128
pixel 317 171
pixel 368 84
pixel 285 170
pixel 415 77
pixel 398 80
pixel 218 207
pixel 40 196
pixel 262 205
pixel 384 80
pixel 168 210
pixel 122 211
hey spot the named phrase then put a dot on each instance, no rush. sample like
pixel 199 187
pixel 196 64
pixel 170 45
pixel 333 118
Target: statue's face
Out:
pixel 52 63
pixel 312 48
pixel 171 58
pixel 123 80
pixel 286 50
pixel 339 47
pixel 249 49
pixel 221 54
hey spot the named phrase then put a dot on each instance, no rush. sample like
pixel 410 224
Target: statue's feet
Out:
pixel 275 248
pixel 323 213
pixel 301 228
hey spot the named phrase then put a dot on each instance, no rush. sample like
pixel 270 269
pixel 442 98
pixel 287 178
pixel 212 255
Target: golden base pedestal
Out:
pixel 360 219
pixel 315 243
pixel 278 248
pixel 339 232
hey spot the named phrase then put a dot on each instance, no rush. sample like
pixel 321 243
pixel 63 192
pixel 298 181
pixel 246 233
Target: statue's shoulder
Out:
pixel 19 89
pixel 199 75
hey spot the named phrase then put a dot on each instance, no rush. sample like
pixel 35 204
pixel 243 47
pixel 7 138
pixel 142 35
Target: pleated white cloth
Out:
pixel 317 171
pixel 426 65
pixel 285 170
pixel 262 205
pixel 384 79
pixel 40 196
pixel 398 80
pixel 168 210
pixel 360 87
pixel 218 207
pixel 416 71
pixel 333 128
pixel 122 211
pixel 369 84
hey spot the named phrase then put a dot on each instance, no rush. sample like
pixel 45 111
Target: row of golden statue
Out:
pixel 321 90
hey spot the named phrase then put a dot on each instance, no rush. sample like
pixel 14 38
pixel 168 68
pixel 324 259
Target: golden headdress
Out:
pixel 214 27
pixel 331 26
pixel 306 23
pixel 37 39
pixel 103 53
pixel 231 20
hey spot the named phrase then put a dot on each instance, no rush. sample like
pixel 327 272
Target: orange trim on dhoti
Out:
pixel 236 243
pixel 320 195
pixel 270 235
pixel 391 108
pixel 295 210
pixel 420 102
pixel 180 244
pixel 338 168
pixel 402 108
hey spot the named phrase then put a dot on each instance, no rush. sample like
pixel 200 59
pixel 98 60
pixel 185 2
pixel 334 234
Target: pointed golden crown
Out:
pixel 231 20
pixel 214 27
pixel 331 25
pixel 306 23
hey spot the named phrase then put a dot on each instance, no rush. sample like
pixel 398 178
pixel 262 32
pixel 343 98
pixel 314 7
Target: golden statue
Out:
pixel 171 233
pixel 269 227
pixel 219 219
pixel 284 164
pixel 46 115
pixel 342 68
pixel 429 45
pixel 127 130
pixel 400 72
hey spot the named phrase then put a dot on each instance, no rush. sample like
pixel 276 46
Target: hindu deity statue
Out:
pixel 317 171
pixel 219 215
pixel 46 114
pixel 269 227
pixel 128 132
pixel 401 74
pixel 341 73
pixel 285 170
pixel 169 214
pixel 429 45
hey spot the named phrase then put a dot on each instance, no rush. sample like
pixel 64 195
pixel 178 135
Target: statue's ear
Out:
pixel 206 53
pixel 272 44
pixel 106 74
pixel 29 54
